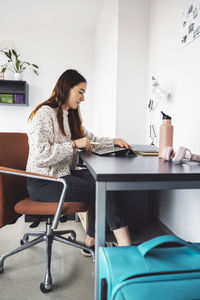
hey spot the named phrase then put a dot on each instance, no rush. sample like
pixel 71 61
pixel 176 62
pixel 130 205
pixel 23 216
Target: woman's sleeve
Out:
pixel 106 141
pixel 43 148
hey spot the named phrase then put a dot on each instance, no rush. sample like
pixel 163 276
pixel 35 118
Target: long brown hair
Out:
pixel 66 81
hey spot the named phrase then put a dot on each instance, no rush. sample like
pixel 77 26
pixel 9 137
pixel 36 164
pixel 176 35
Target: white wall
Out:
pixel 121 53
pixel 133 29
pixel 55 45
pixel 177 69
pixel 105 69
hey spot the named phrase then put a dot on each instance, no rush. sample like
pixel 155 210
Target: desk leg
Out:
pixel 99 229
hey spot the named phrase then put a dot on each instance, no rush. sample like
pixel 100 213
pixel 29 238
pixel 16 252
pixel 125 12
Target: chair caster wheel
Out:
pixel 63 218
pixel 1 266
pixel 22 242
pixel 43 289
pixel 72 237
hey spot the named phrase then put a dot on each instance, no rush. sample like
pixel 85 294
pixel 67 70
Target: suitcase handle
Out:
pixel 145 247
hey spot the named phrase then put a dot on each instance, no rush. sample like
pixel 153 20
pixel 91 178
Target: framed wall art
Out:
pixel 191 22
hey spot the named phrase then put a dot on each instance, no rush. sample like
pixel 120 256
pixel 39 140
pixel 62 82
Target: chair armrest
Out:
pixel 17 172
pixel 12 171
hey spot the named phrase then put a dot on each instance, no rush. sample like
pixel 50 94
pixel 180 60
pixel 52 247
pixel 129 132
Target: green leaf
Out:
pixel 35 72
pixel 17 65
pixel 25 62
pixel 8 54
pixel 3 70
pixel 14 53
pixel 35 66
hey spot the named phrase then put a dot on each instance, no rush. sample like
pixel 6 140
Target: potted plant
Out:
pixel 16 65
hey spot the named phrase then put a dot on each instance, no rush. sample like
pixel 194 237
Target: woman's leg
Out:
pixel 90 237
pixel 115 221
pixel 122 236
pixel 81 188
pixel 114 214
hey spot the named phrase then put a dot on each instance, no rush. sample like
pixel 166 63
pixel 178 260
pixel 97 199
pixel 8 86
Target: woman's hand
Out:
pixel 83 143
pixel 121 143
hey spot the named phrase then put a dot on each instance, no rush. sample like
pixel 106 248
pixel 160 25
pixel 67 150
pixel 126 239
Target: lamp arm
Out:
pixel 152 127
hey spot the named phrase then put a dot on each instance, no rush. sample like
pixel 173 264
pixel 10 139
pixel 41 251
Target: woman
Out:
pixel 55 134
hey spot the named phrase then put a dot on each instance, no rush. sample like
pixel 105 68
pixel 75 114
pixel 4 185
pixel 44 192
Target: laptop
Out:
pixel 122 151
pixel 119 151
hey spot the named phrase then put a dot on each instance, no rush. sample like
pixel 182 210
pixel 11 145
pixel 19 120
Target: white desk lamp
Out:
pixel 157 93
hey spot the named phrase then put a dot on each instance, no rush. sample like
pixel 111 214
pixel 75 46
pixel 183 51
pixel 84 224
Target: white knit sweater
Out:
pixel 50 152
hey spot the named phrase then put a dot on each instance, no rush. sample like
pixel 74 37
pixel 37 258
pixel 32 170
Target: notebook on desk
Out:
pixel 145 149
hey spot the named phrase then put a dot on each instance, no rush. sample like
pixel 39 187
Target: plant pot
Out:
pixel 18 76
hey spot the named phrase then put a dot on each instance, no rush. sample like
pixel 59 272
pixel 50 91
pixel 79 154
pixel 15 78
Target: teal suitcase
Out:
pixel 163 268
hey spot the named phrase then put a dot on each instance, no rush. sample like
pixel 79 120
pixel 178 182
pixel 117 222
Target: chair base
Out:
pixel 49 236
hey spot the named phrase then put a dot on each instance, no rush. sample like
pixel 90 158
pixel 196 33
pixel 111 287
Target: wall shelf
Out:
pixel 18 91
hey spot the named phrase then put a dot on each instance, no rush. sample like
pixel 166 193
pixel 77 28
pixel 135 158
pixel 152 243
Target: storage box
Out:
pixel 19 98
pixel 6 98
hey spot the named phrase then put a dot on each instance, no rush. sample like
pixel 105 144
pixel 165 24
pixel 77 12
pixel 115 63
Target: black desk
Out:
pixel 134 173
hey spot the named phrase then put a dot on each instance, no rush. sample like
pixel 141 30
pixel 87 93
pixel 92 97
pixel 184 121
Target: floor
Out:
pixel 72 273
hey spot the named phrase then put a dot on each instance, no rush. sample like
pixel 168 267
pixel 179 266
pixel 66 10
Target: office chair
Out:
pixel 14 201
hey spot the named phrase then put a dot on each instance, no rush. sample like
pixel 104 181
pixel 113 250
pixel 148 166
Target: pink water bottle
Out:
pixel 166 133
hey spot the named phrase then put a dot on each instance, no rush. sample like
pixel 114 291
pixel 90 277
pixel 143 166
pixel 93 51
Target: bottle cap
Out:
pixel 165 117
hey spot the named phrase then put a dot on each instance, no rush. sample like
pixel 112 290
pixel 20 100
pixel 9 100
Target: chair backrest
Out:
pixel 13 154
